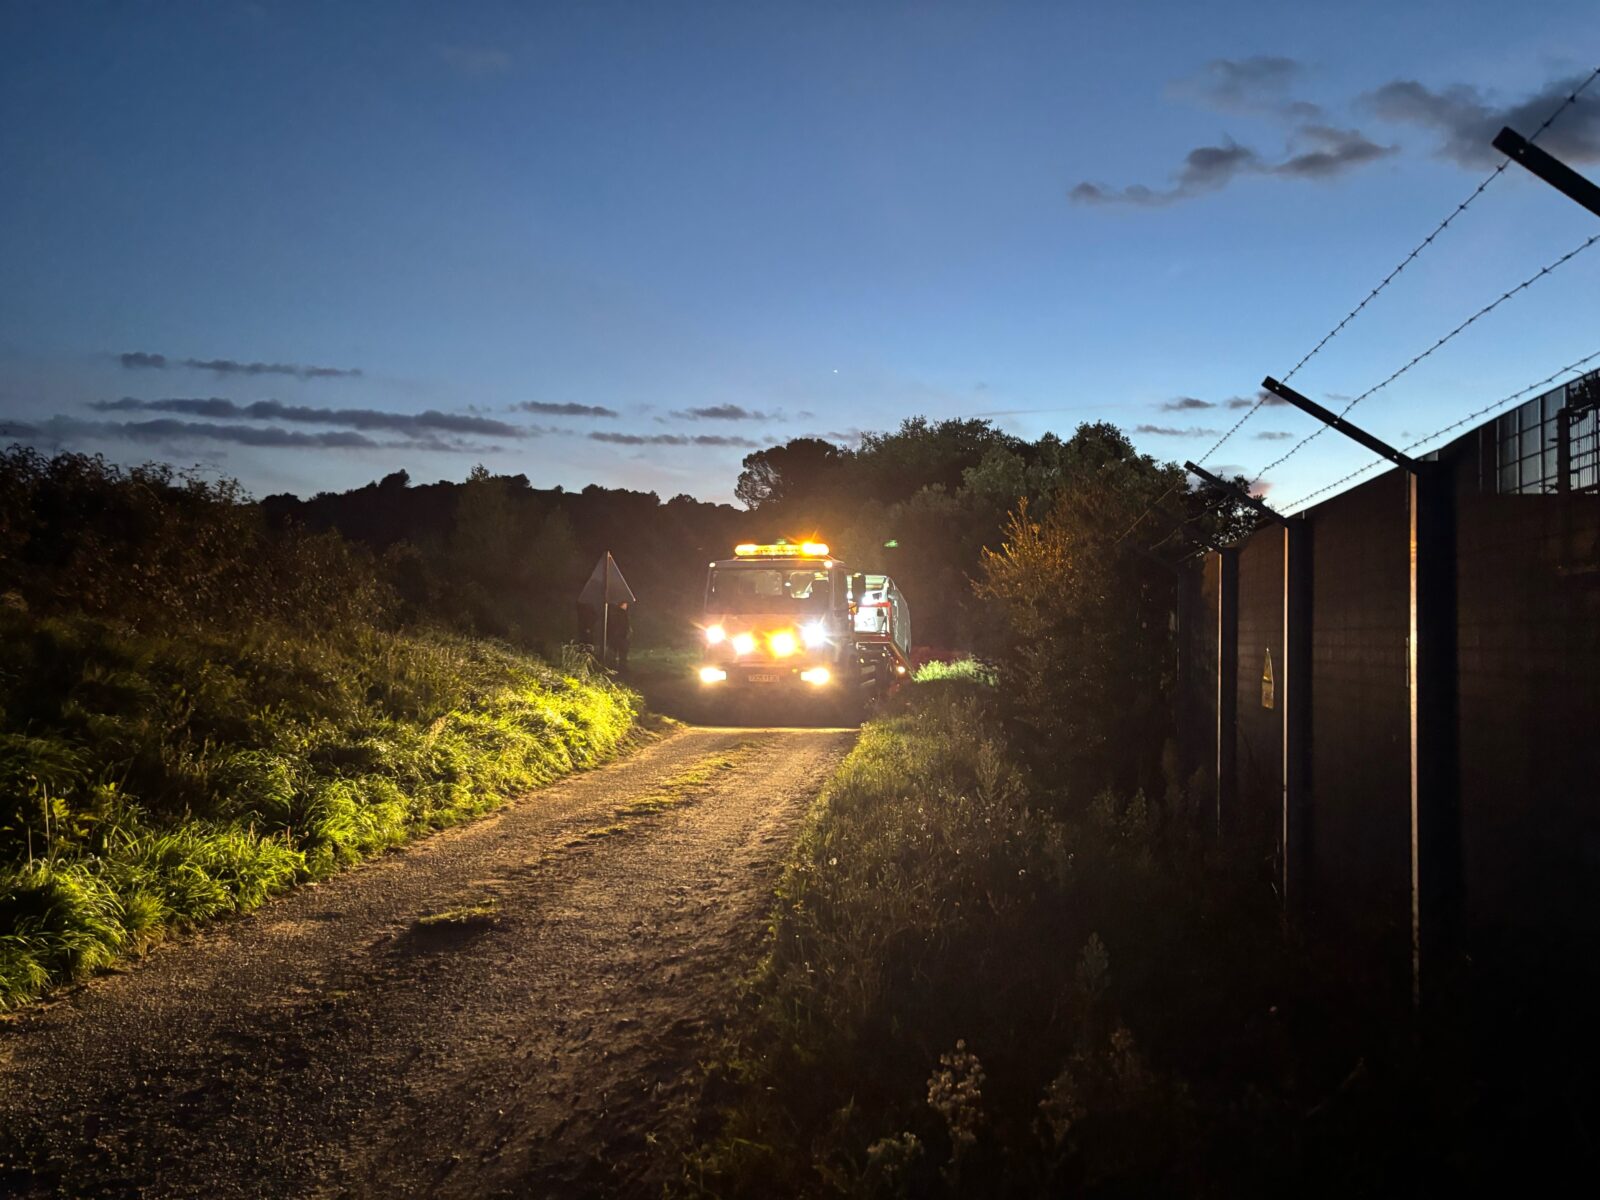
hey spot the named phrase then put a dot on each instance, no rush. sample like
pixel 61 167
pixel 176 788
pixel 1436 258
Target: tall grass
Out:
pixel 198 710
pixel 166 780
pixel 968 994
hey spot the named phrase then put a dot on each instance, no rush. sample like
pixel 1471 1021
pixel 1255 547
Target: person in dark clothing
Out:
pixel 586 620
pixel 617 634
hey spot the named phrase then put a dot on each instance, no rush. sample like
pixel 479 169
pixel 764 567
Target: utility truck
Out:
pixel 788 621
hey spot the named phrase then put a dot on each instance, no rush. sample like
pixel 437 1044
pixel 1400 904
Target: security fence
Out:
pixel 1396 694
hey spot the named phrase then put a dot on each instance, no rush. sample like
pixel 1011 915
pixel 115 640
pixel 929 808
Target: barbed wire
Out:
pixel 1482 312
pixel 1261 400
pixel 1571 99
pixel 1454 425
pixel 1405 262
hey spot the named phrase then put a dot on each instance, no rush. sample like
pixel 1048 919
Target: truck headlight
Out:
pixel 816 676
pixel 715 635
pixel 712 674
pixel 783 644
pixel 813 634
pixel 744 643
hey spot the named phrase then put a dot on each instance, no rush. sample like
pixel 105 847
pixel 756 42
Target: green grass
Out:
pixel 967 670
pixel 150 781
pixel 482 913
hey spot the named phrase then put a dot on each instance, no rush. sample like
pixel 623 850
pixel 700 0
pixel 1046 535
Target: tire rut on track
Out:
pixel 539 1040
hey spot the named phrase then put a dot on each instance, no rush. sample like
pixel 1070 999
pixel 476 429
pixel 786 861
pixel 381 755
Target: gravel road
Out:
pixel 512 1008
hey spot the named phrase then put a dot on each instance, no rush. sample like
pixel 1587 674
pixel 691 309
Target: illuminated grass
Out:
pixel 484 912
pixel 166 780
pixel 968 670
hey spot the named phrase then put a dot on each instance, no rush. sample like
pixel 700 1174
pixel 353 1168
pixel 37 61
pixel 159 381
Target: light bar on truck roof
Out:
pixel 781 550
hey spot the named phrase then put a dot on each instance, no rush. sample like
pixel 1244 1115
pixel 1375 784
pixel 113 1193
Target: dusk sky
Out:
pixel 308 244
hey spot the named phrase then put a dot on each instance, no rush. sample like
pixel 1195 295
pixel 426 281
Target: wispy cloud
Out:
pixel 726 412
pixel 1266 399
pixel 1204 169
pixel 548 408
pixel 476 60
pixel 137 359
pixel 413 424
pixel 1466 119
pixel 1257 87
pixel 1171 431
pixel 171 432
pixel 1260 85
pixel 1185 404
pixel 671 439
pixel 1317 152
pixel 1274 435
pixel 1331 152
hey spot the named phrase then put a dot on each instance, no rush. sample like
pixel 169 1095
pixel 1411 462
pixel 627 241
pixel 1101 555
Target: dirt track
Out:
pixel 540 1040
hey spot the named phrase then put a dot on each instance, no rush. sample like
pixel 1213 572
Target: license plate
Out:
pixel 764 678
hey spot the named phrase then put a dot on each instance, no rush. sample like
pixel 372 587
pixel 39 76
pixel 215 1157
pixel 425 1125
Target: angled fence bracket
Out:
pixel 1355 433
pixel 1233 490
pixel 1549 168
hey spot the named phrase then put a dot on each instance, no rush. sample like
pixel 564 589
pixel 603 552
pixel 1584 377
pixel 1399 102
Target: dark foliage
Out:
pixel 157 547
pixel 496 556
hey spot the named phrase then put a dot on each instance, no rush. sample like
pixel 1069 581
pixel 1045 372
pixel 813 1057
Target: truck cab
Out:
pixel 789 621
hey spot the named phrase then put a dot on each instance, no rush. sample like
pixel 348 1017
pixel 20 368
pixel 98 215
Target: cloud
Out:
pixel 564 410
pixel 671 439
pixel 1264 397
pixel 1466 120
pixel 1170 431
pixel 1259 84
pixel 228 366
pixel 1335 151
pixel 412 424
pixel 476 61
pixel 1185 404
pixel 726 412
pixel 1257 87
pixel 1274 435
pixel 1204 169
pixel 167 431
pixel 1208 169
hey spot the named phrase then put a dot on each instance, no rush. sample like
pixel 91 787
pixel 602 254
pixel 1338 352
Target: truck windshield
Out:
pixel 769 590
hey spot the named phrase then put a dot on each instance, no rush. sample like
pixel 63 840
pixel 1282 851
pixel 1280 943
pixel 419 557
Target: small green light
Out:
pixel 892 544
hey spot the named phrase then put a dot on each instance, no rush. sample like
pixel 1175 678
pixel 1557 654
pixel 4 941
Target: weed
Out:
pixel 482 913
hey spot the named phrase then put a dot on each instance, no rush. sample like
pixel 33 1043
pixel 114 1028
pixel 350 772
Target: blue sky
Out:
pixel 809 218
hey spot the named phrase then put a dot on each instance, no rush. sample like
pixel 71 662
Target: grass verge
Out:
pixel 153 781
pixel 974 988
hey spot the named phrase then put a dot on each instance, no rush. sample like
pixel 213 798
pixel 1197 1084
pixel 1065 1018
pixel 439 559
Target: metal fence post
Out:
pixel 1297 618
pixel 1227 683
pixel 1431 673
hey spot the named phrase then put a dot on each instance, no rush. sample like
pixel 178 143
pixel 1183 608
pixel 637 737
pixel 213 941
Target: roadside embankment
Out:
pixel 156 781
